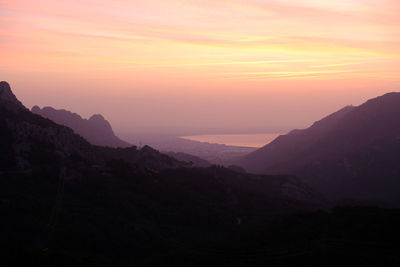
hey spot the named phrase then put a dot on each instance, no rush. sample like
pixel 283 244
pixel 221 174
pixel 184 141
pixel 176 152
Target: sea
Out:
pixel 245 140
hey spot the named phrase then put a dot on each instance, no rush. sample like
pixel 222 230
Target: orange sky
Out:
pixel 159 65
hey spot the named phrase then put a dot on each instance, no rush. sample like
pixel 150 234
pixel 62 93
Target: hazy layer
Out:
pixel 245 140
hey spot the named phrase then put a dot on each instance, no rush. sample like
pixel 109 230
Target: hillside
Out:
pixel 351 154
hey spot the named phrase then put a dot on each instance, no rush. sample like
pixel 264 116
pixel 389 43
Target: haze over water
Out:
pixel 246 140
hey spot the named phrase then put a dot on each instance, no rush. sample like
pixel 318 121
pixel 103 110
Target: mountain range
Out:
pixel 67 202
pixel 64 200
pixel 96 129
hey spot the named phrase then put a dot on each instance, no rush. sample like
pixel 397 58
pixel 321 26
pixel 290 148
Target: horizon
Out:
pixel 202 67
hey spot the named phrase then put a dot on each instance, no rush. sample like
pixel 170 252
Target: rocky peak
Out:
pixel 97 117
pixel 98 122
pixel 36 109
pixel 7 98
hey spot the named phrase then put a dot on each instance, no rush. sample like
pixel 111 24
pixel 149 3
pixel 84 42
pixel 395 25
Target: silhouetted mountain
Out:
pixel 352 153
pixel 96 129
pixel 65 201
pixel 8 99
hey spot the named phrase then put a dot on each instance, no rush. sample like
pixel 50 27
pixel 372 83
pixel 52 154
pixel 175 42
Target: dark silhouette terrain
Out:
pixel 67 202
pixel 351 154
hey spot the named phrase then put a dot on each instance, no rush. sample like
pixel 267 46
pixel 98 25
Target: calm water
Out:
pixel 250 140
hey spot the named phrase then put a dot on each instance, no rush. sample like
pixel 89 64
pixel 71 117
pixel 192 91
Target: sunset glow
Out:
pixel 198 48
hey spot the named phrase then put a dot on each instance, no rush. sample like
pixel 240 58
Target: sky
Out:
pixel 200 66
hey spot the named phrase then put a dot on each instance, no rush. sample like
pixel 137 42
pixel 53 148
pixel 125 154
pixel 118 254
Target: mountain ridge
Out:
pixel 96 129
pixel 341 153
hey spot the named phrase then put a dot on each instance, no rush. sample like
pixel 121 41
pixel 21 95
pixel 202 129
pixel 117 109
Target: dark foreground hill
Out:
pixel 353 153
pixel 65 202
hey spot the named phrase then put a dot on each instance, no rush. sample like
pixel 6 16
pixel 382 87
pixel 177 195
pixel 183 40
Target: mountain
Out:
pixel 96 129
pixel 8 99
pixel 351 154
pixel 31 142
pixel 67 202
